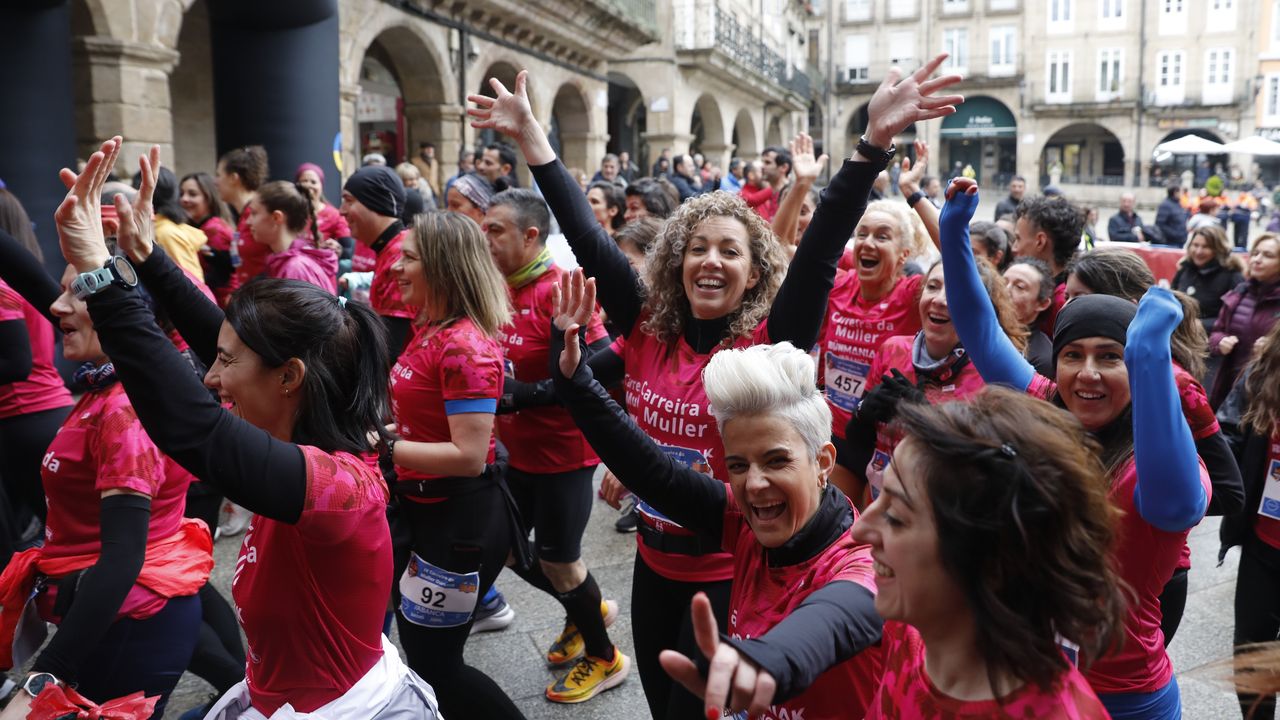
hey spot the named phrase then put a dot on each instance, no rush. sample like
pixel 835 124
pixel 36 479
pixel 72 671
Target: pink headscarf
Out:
pixel 313 168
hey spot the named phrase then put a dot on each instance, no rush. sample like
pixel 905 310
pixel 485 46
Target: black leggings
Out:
pixel 660 621
pixel 556 506
pixel 219 655
pixel 1257 610
pixel 466 533
pixel 1173 602
pixel 24 439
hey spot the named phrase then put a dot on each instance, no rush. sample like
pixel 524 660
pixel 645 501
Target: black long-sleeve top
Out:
pixel 252 468
pixel 801 303
pixel 831 625
pixel 27 276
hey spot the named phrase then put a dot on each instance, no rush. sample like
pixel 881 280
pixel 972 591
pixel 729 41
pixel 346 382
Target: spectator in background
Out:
pixel 1089 235
pixel 775 167
pixel 1126 225
pixel 1009 205
pixel 1171 218
pixel 580 175
pixel 932 188
pixel 498 161
pixel 684 177
pixel 626 170
pixel 374 160
pixel 428 166
pixel 650 197
pixel 414 183
pixel 879 187
pixel 609 205
pixel 1206 215
pixel 1248 313
pixel 1208 271
pixel 466 165
pixel 989 240
pixel 732 182
pixel 662 165
pixel 173 228
pixel 610 169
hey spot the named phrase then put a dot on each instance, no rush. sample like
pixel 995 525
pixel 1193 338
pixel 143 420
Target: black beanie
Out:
pixel 1092 316
pixel 378 188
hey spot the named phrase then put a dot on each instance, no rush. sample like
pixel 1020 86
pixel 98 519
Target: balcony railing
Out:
pixel 642 13
pixel 703 25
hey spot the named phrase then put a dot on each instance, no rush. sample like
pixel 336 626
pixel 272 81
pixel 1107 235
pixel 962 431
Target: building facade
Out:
pixel 1076 93
pixel 327 80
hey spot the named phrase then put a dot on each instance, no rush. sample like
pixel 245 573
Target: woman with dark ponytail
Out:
pixel 302 376
pixel 279 215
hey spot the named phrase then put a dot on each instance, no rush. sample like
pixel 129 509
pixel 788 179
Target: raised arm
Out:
pixel 180 417
pixel 993 353
pixel 27 276
pixel 691 498
pixel 509 113
pixel 800 306
pixel 806 169
pixel 909 183
pixel 1169 493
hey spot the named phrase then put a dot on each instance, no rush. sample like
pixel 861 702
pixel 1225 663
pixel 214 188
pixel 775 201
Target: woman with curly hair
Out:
pixel 1114 373
pixel 713 281
pixel 930 365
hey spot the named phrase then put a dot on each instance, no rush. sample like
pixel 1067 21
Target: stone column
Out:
pixel 439 123
pixel 348 94
pixel 583 150
pixel 275 77
pixel 37 131
pixel 129 87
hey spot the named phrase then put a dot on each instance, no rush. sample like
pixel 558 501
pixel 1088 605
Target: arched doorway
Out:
pixel 506 74
pixel 707 128
pixel 570 126
pixel 982 134
pixel 745 143
pixel 773 137
pixel 191 94
pixel 1082 154
pixel 1167 167
pixel 627 120
pixel 401 96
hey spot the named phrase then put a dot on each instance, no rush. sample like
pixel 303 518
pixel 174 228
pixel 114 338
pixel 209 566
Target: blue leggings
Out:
pixel 1163 704
pixel 148 655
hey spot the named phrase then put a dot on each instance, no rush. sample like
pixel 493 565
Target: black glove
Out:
pixel 880 404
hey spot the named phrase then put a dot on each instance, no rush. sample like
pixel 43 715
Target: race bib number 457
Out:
pixel 846 380
pixel 433 597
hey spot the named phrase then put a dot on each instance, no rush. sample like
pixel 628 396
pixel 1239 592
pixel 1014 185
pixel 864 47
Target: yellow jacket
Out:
pixel 183 244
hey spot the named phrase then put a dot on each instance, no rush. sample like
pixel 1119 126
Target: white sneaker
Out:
pixel 236 522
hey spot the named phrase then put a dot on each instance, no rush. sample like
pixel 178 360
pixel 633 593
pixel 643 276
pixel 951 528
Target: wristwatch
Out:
pixel 915 197
pixel 38 682
pixel 116 271
pixel 876 154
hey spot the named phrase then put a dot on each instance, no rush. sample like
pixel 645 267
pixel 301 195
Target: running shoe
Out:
pixel 236 522
pixel 589 677
pixel 630 517
pixel 493 615
pixel 569 645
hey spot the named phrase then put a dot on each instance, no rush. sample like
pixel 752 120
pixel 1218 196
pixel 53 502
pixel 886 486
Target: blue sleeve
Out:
pixel 992 352
pixel 1168 493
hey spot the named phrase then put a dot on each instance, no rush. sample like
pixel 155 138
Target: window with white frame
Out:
pixel 1173 17
pixel 902 49
pixel 1057 86
pixel 1219 71
pixel 1271 101
pixel 1220 16
pixel 857 57
pixel 1110 14
pixel 955 42
pixel 954 6
pixel 1171 86
pixel 1110 74
pixel 1061 15
pixel 1275 25
pixel 857 10
pixel 902 9
pixel 1004 56
pixel 1003 5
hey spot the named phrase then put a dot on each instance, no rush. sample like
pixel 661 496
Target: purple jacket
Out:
pixel 1248 312
pixel 303 262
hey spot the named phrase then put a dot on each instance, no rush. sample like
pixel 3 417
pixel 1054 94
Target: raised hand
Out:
pixel 806 167
pixel 137 233
pixel 574 298
pixel 733 681
pixel 911 175
pixel 510 114
pixel 900 101
pixel 79 217
pixel 1159 314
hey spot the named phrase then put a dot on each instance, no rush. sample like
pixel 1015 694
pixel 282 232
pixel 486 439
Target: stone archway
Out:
pixel 570 128
pixel 745 140
pixel 707 127
pixel 1082 154
pixel 402 98
pixel 628 120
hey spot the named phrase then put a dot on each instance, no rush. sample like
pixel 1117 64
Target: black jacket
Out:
pixel 684 185
pixel 1237 528
pixel 1207 285
pixel 1171 220
pixel 1007 206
